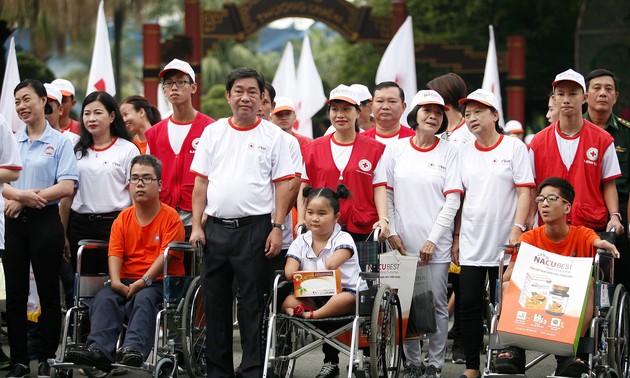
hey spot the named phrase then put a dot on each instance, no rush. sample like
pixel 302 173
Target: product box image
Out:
pixel 544 304
pixel 316 283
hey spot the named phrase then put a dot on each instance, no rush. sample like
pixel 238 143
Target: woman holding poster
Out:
pixel 497 179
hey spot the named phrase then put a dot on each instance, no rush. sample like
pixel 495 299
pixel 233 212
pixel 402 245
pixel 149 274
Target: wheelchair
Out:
pixel 375 325
pixel 182 302
pixel 606 342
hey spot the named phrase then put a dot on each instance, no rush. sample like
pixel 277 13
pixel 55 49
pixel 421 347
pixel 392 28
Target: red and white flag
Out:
pixel 7 99
pixel 285 79
pixel 399 64
pixel 101 71
pixel 491 74
pixel 310 90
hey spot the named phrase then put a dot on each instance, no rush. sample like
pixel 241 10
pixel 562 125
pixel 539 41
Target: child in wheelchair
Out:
pixel 324 247
pixel 556 235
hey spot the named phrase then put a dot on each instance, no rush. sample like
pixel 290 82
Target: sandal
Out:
pixel 571 367
pixel 514 363
pixel 299 310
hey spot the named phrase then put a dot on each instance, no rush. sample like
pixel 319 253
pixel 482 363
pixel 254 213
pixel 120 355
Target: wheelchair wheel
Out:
pixel 385 334
pixel 286 342
pixel 194 330
pixel 165 368
pixel 619 358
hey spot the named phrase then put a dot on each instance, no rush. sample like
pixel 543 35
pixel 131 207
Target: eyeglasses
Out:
pixel 550 198
pixel 145 180
pixel 179 83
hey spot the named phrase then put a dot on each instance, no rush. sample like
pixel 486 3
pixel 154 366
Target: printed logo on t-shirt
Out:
pixel 501 161
pixel 195 143
pixel 436 166
pixel 253 147
pixel 592 154
pixel 49 151
pixel 156 237
pixel 365 165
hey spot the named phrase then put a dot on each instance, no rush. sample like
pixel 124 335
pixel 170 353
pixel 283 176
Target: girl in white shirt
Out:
pixel 323 247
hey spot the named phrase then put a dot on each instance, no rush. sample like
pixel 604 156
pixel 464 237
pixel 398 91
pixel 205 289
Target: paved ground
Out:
pixel 308 366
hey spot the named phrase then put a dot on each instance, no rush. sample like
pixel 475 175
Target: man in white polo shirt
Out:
pixel 243 168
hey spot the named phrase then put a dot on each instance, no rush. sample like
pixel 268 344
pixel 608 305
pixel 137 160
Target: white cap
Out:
pixel 65 87
pixel 53 93
pixel 362 92
pixel 513 127
pixel 570 75
pixel 344 93
pixel 425 97
pixel 483 96
pixel 283 103
pixel 528 138
pixel 179 65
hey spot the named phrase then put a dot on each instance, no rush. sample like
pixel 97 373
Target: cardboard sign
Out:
pixel 544 304
pixel 399 272
pixel 316 283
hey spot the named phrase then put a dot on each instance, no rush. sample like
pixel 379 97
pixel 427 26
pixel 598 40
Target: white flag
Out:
pixel 7 99
pixel 310 90
pixel 491 74
pixel 101 71
pixel 164 106
pixel 399 64
pixel 284 81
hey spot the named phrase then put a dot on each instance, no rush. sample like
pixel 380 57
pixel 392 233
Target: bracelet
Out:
pixel 457 234
pixel 618 214
pixel 520 226
pixel 385 219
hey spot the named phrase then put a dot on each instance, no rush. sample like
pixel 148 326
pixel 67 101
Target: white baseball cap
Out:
pixel 362 92
pixel 570 75
pixel 344 93
pixel 483 96
pixel 178 65
pixel 53 93
pixel 425 97
pixel 283 103
pixel 64 86
pixel 513 127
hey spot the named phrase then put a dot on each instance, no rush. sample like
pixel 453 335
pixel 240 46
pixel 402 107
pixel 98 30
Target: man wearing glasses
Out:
pixel 138 239
pixel 174 140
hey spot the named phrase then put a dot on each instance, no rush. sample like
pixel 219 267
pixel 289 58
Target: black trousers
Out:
pixel 35 237
pixel 471 292
pixel 235 252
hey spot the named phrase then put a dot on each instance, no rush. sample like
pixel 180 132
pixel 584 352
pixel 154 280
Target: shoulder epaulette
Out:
pixel 623 121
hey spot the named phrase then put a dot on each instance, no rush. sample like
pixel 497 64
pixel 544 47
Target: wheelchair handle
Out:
pixel 93 243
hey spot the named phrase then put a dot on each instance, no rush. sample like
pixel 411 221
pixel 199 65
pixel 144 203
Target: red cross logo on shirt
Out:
pixel 365 165
pixel 592 154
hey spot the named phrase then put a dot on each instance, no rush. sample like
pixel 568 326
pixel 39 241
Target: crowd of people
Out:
pixel 448 185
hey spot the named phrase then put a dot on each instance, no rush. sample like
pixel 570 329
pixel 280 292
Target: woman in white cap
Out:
pixel 497 179
pixel 422 173
pixel 347 157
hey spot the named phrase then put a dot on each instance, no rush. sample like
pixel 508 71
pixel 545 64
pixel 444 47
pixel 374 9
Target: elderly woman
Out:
pixel 422 174
pixel 34 232
pixel 497 178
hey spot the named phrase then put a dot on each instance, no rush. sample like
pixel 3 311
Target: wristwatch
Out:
pixel 147 280
pixel 522 227
pixel 279 225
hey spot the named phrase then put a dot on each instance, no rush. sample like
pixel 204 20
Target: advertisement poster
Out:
pixel 544 303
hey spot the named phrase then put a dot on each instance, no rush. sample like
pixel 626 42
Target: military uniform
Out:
pixel 619 129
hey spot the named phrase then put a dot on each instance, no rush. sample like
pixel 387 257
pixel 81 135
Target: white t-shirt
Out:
pixel 420 179
pixel 341 156
pixel 567 146
pixel 241 166
pixel 9 159
pixel 460 136
pixel 74 138
pixel 490 177
pixel 302 250
pixel 177 132
pixel 103 175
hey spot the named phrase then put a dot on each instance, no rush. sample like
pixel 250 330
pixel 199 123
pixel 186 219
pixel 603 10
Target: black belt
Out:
pixel 238 222
pixel 96 217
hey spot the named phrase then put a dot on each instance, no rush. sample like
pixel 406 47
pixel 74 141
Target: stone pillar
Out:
pixel 516 78
pixel 152 63
pixel 192 22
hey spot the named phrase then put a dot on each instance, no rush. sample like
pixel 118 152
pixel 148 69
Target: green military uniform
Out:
pixel 619 129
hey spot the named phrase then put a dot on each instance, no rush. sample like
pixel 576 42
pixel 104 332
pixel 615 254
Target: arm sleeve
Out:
pixel 610 164
pixel 445 217
pixel 9 155
pixel 521 166
pixel 67 166
pixel 201 164
pixel 117 239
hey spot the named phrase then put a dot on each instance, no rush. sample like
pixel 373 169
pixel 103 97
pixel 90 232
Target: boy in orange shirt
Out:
pixel 138 239
pixel 554 201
